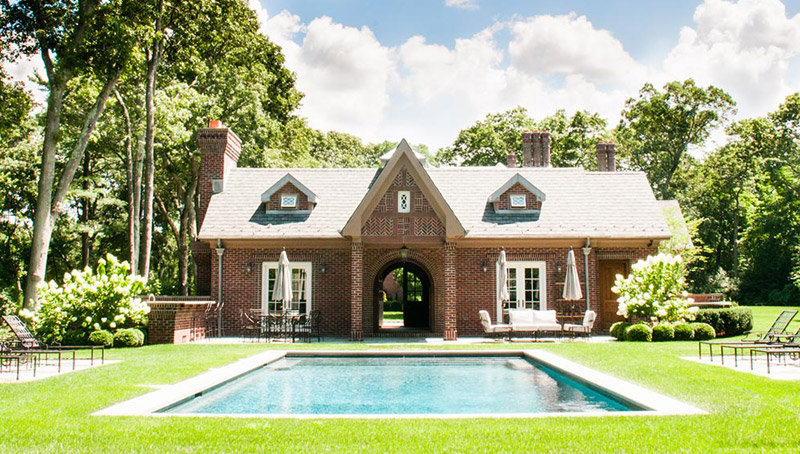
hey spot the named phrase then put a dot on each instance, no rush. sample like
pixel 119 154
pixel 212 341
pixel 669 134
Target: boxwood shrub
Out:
pixel 128 338
pixel 102 337
pixel 683 331
pixel 730 321
pixel 662 333
pixel 703 331
pixel 617 330
pixel 639 333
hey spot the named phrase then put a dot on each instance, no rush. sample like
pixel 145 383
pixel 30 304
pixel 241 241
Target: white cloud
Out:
pixel 23 70
pixel 569 44
pixel 744 48
pixel 462 4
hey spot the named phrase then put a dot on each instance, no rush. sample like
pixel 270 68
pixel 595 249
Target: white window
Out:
pixel 288 201
pixel 527 287
pixel 517 200
pixel 403 201
pixel 301 287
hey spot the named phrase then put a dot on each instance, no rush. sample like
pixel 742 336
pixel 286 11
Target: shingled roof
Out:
pixel 579 204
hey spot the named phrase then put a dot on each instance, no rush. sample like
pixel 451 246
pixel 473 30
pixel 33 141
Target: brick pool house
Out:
pixel 439 230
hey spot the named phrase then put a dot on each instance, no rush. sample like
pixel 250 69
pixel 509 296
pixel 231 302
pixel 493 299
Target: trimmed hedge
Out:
pixel 128 337
pixel 731 321
pixel 703 331
pixel 639 333
pixel 683 332
pixel 102 337
pixel 662 333
pixel 617 330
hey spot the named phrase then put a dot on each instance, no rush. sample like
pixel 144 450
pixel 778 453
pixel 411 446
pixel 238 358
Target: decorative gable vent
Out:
pixel 288 195
pixel 517 195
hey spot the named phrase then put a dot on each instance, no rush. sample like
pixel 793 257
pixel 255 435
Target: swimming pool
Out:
pixel 401 384
pixel 409 385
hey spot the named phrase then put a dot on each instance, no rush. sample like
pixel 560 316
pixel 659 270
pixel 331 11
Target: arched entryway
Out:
pixel 404 297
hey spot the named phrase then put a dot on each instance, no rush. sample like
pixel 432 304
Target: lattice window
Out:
pixel 289 201
pixel 518 200
pixel 403 201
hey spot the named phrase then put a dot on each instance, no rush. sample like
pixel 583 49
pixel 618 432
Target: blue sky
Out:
pixel 425 69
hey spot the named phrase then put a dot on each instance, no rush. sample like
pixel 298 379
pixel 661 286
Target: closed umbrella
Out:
pixel 502 285
pixel 283 282
pixel 572 287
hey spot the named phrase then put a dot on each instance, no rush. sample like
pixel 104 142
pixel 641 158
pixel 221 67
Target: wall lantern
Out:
pixel 323 268
pixel 484 266
pixel 249 267
pixel 558 267
pixel 404 253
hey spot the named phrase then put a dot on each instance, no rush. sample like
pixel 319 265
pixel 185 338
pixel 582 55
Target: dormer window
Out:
pixel 289 201
pixel 517 197
pixel 517 200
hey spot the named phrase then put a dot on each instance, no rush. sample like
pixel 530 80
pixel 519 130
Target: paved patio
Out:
pixel 46 369
pixel 417 340
pixel 790 370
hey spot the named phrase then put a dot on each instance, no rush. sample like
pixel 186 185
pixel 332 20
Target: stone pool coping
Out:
pixel 653 403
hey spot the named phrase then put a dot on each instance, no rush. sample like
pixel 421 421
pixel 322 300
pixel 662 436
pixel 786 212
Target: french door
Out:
pixel 527 287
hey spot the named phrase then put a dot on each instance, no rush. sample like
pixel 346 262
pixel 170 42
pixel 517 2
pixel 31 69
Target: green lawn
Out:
pixel 747 413
pixel 393 315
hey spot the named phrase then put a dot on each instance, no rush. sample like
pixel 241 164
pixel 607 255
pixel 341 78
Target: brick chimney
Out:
pixel 537 149
pixel 527 159
pixel 220 149
pixel 544 138
pixel 606 156
pixel 511 160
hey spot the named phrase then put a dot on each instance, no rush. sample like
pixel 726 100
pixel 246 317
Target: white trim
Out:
pixel 542 266
pixel 266 291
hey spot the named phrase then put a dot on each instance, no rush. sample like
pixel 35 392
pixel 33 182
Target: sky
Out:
pixel 425 69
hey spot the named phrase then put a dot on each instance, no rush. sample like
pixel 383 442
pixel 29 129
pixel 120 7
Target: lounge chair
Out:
pixel 27 342
pixel 9 357
pixel 585 328
pixel 787 342
pixel 490 330
pixel 533 321
pixel 772 335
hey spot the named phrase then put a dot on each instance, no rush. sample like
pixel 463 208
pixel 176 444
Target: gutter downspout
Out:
pixel 587 249
pixel 220 251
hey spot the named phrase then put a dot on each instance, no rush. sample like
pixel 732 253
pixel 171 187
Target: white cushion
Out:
pixel 520 316
pixel 545 317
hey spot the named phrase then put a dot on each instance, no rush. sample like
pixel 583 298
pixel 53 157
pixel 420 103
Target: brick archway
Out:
pixel 427 259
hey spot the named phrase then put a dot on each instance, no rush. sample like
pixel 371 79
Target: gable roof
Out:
pixel 282 182
pixel 579 203
pixel 514 180
pixel 403 157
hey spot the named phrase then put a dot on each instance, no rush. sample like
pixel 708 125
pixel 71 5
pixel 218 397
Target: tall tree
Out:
pixel 72 38
pixel 574 138
pixel 658 127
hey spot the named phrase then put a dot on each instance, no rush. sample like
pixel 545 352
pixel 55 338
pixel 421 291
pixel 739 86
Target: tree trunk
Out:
pixel 735 239
pixel 48 206
pixel 86 238
pixel 150 109
pixel 133 213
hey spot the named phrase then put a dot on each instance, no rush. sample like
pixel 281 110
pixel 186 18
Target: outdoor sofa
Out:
pixel 534 322
pixel 490 330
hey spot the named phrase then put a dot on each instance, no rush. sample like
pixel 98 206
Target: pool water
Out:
pixel 400 386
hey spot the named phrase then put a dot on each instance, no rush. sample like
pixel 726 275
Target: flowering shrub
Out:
pixel 88 301
pixel 655 291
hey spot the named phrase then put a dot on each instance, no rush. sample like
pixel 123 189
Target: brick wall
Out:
pixel 274 203
pixel 176 322
pixel 330 291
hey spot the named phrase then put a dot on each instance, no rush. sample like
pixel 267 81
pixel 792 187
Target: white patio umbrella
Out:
pixel 502 285
pixel 572 287
pixel 283 281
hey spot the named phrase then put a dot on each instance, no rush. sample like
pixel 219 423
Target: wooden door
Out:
pixel 608 299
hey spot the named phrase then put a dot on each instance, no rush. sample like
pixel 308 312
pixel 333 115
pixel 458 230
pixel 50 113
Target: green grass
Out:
pixel 747 413
pixel 393 315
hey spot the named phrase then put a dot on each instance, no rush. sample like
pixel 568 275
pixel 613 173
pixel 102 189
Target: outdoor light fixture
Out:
pixel 323 268
pixel 249 267
pixel 484 266
pixel 558 267
pixel 404 252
